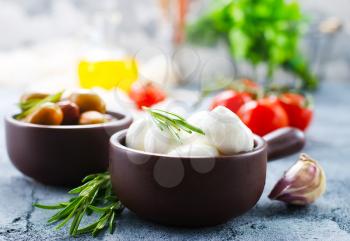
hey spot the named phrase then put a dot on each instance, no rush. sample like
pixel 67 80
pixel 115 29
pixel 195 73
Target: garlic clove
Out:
pixel 301 184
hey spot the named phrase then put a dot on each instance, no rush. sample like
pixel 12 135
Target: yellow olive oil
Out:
pixel 108 74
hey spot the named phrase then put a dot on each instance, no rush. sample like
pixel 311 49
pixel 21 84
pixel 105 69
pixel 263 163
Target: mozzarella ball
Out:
pixel 194 150
pixel 158 141
pixel 196 120
pixel 226 131
pixel 135 135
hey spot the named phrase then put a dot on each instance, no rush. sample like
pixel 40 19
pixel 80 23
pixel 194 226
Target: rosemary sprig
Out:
pixel 95 195
pixel 172 123
pixel 27 107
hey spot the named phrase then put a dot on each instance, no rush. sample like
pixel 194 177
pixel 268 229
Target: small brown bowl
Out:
pixel 195 191
pixel 61 155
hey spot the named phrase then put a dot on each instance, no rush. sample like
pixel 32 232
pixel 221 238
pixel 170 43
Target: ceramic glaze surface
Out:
pixel 197 191
pixel 60 155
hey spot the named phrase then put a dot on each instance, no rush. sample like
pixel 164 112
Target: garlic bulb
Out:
pixel 301 184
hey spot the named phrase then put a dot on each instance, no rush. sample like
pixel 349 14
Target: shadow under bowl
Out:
pixel 191 191
pixel 61 155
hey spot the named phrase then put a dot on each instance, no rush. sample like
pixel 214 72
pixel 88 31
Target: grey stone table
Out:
pixel 327 219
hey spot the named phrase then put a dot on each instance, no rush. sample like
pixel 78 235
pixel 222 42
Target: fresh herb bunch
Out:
pixel 258 31
pixel 27 107
pixel 172 123
pixel 95 195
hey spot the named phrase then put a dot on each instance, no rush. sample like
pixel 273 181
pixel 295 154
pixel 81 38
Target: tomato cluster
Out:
pixel 268 113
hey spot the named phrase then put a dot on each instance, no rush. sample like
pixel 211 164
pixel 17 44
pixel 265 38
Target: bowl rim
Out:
pixel 123 118
pixel 115 142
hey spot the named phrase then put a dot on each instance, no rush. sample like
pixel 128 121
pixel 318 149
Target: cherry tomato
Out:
pixel 231 99
pixel 146 94
pixel 264 115
pixel 299 114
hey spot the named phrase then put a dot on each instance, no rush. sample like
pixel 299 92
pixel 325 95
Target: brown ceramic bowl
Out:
pixel 61 155
pixel 197 191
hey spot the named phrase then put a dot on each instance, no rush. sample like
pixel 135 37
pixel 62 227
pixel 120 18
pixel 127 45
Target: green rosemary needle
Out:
pixel 172 123
pixel 27 107
pixel 95 195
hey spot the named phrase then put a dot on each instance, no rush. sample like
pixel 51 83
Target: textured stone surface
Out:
pixel 327 219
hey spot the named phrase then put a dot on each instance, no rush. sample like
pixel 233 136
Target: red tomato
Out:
pixel 299 114
pixel 264 115
pixel 146 94
pixel 231 99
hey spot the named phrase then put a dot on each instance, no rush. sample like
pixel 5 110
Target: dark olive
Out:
pixel 71 112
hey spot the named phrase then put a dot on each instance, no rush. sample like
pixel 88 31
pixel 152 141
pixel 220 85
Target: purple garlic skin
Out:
pixel 301 184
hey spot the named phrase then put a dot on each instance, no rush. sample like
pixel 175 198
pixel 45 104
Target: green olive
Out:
pixel 33 96
pixel 88 100
pixel 92 117
pixel 46 114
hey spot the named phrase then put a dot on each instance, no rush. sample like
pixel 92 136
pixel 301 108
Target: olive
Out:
pixel 92 117
pixel 33 96
pixel 46 114
pixel 71 112
pixel 88 100
pixel 109 118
